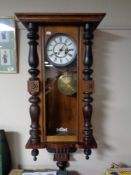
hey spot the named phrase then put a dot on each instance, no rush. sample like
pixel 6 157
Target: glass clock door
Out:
pixel 61 84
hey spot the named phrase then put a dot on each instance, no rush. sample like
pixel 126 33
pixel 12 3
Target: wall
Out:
pixel 112 60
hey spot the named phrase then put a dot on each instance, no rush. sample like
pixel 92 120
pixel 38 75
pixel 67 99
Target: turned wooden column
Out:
pixel 89 141
pixel 33 87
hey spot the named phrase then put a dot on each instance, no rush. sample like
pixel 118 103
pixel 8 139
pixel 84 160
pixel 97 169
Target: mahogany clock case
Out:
pixel 61 101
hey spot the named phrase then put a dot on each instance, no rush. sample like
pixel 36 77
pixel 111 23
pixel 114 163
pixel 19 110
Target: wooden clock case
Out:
pixel 48 112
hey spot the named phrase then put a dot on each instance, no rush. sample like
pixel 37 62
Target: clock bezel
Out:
pixel 73 58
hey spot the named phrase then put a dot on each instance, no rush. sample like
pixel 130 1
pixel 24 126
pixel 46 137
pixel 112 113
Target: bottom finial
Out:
pixel 87 152
pixel 62 165
pixel 35 153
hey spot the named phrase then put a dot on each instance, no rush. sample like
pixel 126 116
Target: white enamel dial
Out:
pixel 61 50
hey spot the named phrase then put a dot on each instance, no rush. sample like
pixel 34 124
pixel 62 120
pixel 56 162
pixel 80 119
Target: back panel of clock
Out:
pixel 60 84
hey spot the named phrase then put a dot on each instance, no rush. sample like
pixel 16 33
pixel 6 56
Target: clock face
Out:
pixel 61 50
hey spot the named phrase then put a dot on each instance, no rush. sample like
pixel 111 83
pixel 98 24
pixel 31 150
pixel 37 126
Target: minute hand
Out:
pixel 61 49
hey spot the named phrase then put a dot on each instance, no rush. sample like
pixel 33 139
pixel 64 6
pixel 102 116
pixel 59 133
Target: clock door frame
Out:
pixel 60 117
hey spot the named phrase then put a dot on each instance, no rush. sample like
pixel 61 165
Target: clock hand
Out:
pixel 61 49
pixel 67 50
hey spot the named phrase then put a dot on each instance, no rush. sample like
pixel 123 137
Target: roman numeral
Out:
pixel 55 58
pixel 70 54
pixel 50 50
pixel 69 44
pixel 55 41
pixel 60 39
pixel 60 60
pixel 66 41
pixel 51 55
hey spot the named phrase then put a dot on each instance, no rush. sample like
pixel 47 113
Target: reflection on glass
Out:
pixel 61 99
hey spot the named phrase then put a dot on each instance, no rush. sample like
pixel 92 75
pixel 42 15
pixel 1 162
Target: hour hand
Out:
pixel 68 50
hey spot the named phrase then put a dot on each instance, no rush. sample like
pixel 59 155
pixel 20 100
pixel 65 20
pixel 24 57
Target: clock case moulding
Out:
pixel 81 26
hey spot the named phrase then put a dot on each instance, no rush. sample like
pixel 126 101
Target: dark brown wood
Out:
pixel 88 86
pixel 61 153
pixel 29 145
pixel 34 99
pixel 62 157
pixel 33 87
pixel 66 18
pixel 89 141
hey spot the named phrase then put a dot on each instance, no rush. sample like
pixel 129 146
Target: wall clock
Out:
pixel 60 84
